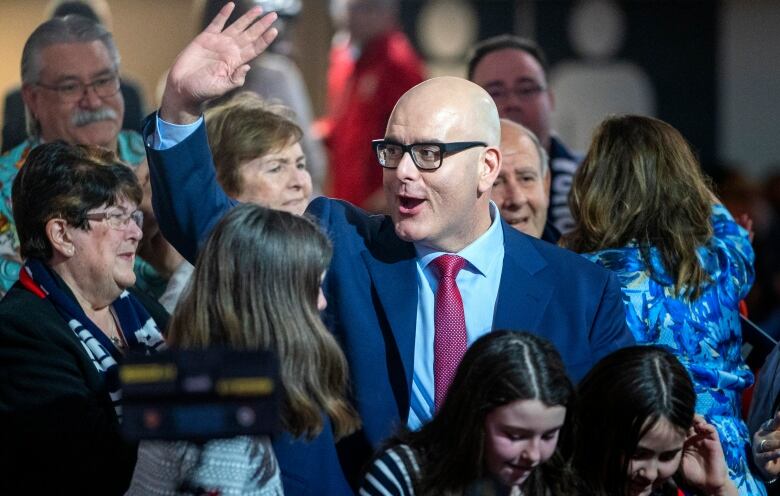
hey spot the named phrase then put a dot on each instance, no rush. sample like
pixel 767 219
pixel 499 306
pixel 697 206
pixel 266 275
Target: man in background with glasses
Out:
pixel 70 87
pixel 407 292
pixel 513 71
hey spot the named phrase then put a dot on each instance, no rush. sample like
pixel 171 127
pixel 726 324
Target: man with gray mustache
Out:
pixel 70 87
pixel 83 118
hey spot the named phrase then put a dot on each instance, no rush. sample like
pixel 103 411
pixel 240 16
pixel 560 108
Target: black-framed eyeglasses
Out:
pixel 426 156
pixel 118 220
pixel 73 91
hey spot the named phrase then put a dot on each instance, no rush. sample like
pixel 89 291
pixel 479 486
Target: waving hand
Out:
pixel 703 465
pixel 215 62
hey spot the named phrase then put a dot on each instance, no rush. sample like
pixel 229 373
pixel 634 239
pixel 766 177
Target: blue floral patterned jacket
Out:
pixel 705 333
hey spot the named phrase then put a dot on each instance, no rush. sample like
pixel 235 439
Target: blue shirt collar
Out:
pixel 480 254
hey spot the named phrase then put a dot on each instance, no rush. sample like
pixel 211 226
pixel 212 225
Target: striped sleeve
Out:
pixel 392 473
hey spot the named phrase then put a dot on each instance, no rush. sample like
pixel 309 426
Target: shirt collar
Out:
pixel 480 254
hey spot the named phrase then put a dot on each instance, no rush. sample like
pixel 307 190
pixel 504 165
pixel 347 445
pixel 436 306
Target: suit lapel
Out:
pixel 391 264
pixel 523 294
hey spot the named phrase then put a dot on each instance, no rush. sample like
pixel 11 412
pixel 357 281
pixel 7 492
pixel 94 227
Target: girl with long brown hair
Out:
pixel 257 286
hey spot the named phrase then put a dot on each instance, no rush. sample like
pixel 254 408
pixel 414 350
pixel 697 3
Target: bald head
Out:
pixel 453 103
pixel 522 188
pixel 516 138
pixel 454 124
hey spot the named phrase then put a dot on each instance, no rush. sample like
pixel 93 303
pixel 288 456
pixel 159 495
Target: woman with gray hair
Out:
pixel 67 322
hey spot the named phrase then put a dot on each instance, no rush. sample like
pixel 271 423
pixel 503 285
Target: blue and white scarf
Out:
pixel 139 329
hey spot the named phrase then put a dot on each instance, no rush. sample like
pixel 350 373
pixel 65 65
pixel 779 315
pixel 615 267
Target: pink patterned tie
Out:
pixel 449 341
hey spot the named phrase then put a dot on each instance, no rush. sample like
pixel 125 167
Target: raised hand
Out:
pixel 703 465
pixel 215 62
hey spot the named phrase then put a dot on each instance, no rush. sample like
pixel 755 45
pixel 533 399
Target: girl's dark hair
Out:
pixel 618 402
pixel 499 368
pixel 255 286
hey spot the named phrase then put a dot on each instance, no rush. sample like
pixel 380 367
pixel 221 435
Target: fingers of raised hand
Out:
pixel 240 25
pixel 702 429
pixel 216 24
pixel 261 33
pixel 254 40
pixel 259 45
pixel 257 29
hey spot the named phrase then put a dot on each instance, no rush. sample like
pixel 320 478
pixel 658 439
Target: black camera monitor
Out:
pixel 200 395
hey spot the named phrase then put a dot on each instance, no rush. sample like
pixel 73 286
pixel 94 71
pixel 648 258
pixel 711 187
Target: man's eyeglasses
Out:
pixel 118 220
pixel 73 91
pixel 426 156
pixel 520 92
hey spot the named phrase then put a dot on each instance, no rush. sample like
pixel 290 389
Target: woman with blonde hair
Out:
pixel 256 285
pixel 258 159
pixel 644 210
pixel 257 153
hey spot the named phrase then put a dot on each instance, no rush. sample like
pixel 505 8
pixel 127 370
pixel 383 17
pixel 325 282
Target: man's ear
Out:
pixel 59 236
pixel 491 166
pixel 548 181
pixel 30 98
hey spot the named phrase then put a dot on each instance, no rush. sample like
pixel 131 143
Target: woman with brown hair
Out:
pixel 644 210
pixel 256 286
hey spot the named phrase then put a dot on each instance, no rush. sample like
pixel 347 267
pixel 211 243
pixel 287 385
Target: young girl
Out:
pixel 256 286
pixel 496 433
pixel 634 429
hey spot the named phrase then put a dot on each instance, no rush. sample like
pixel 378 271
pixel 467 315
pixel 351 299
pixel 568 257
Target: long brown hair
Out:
pixel 640 183
pixel 256 285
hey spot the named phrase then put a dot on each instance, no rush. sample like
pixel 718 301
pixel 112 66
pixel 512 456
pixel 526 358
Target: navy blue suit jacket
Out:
pixel 371 288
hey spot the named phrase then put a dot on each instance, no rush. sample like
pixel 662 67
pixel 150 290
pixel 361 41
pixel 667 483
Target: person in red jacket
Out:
pixel 369 71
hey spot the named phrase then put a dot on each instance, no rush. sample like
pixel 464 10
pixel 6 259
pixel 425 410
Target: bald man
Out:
pixel 440 158
pixel 522 188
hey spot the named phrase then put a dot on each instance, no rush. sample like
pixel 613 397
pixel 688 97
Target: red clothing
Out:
pixel 361 95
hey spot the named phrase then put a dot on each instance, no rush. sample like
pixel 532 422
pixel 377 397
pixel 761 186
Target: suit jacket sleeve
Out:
pixel 609 331
pixel 186 196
